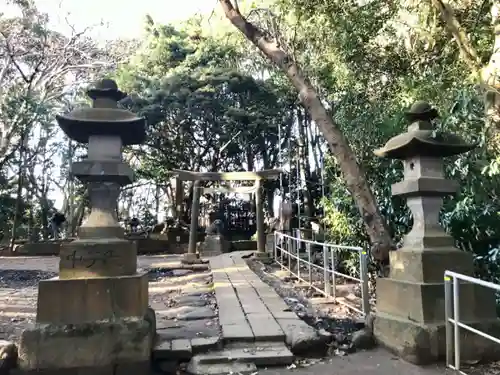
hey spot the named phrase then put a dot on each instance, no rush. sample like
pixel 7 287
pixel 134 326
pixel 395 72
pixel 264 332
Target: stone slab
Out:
pixel 248 294
pixel 74 301
pixel 274 354
pixel 178 349
pixel 226 318
pixel 196 368
pixel 265 328
pixel 256 308
pixel 301 338
pixel 85 345
pixel 237 332
pixel 170 330
pixel 205 344
pixel 284 315
pixel 229 299
pixel 187 313
pixel 188 300
pixel 182 348
pixel 162 349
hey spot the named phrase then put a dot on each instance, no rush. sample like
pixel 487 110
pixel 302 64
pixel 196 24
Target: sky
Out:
pixel 121 18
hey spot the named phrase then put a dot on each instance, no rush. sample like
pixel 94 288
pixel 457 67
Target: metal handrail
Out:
pixel 452 316
pixel 330 274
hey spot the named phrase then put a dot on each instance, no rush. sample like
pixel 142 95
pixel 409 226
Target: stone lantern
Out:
pixel 95 314
pixel 410 318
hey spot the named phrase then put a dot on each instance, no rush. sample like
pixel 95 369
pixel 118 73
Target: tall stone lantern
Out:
pixel 95 314
pixel 410 318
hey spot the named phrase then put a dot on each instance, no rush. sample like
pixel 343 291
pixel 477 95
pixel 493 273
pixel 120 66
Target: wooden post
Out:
pixel 179 197
pixel 259 213
pixel 191 256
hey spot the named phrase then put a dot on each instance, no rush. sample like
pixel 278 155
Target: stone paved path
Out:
pixel 249 311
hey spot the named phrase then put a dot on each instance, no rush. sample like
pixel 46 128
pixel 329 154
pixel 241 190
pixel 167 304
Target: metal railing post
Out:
pixel 456 318
pixel 363 274
pixel 283 245
pixel 334 279
pixel 309 259
pixel 448 307
pixel 275 247
pixel 326 274
pixel 293 244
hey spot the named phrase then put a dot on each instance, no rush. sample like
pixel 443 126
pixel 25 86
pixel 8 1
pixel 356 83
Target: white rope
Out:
pixel 225 189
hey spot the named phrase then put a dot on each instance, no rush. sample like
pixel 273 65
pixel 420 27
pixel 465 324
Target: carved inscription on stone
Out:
pixel 89 258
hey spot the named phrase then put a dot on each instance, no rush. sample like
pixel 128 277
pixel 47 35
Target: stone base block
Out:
pixel 38 248
pixel 82 259
pixel 79 301
pixel 125 368
pixel 189 258
pixel 214 245
pixel 244 245
pixel 428 266
pixel 270 243
pixel 89 345
pixel 423 344
pixel 424 302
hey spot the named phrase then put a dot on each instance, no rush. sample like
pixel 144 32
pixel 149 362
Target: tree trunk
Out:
pixel 353 174
pixel 20 183
pixel 44 211
pixel 157 203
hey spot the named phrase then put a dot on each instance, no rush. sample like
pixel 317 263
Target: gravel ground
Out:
pixel 18 293
pixel 334 320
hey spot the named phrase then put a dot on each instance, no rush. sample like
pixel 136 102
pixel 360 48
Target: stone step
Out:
pixel 184 349
pixel 244 360
pixel 238 332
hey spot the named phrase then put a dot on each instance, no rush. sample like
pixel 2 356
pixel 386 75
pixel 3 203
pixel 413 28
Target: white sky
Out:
pixel 122 18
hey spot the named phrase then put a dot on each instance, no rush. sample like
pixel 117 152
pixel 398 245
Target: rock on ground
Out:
pixel 303 339
pixel 8 356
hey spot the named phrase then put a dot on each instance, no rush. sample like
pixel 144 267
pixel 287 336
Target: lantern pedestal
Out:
pixel 411 308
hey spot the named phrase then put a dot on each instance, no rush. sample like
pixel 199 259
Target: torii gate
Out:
pixel 270 174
